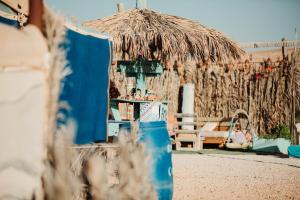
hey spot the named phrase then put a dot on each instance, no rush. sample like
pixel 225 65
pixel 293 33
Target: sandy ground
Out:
pixel 216 176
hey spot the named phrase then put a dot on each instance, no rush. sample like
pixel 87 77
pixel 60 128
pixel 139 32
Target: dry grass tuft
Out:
pixel 116 171
pixel 133 171
pixel 108 171
pixel 97 171
pixel 59 181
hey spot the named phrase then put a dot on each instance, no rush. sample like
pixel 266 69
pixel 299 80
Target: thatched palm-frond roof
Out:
pixel 160 36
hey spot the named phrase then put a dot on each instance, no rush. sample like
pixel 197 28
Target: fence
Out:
pixel 262 89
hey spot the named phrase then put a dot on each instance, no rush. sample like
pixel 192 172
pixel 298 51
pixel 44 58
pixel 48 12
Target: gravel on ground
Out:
pixel 242 177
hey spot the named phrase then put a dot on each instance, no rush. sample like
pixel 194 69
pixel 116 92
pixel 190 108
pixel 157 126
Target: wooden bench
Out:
pixel 193 137
pixel 189 136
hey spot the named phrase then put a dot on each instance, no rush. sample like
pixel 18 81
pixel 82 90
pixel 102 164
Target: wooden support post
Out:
pixel 293 132
pixel 296 39
pixel 293 110
pixel 120 7
pixel 36 10
pixel 283 48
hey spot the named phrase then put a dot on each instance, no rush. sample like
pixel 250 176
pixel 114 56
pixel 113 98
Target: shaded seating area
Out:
pixel 201 131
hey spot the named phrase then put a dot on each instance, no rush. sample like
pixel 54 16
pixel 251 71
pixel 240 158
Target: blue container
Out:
pixel 125 126
pixel 158 145
pixel 294 151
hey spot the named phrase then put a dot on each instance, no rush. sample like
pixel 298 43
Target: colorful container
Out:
pixel 158 145
pixel 294 151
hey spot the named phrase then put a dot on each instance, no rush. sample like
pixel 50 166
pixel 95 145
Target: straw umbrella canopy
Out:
pixel 152 35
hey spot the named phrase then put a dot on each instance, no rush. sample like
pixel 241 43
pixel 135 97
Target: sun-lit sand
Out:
pixel 242 177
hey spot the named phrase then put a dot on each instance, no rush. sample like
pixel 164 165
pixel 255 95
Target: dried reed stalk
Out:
pixel 58 180
pixel 222 89
pixel 219 94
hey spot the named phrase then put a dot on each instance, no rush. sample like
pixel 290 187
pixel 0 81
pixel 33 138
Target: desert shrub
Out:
pixel 279 131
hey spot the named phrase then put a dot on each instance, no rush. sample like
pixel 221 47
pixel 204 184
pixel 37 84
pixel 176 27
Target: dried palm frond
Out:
pixel 160 36
pixel 295 72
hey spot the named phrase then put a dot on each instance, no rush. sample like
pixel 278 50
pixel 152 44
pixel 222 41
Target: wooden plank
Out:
pixel 207 133
pixel 214 140
pixel 186 149
pixel 191 135
pixel 186 123
pixel 199 120
pixel 200 124
pixel 197 144
pixel 181 115
pixel 222 128
pixel 210 119
pixel 184 139
pixel 177 131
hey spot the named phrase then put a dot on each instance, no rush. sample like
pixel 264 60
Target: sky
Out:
pixel 241 20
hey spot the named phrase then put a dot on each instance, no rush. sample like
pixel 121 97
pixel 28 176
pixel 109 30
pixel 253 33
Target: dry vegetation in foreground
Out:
pixel 97 172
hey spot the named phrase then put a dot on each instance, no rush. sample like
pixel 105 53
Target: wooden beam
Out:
pixel 186 131
pixel 181 115
pixel 185 139
pixel 201 123
pixel 187 123
pixel 210 119
pixel 120 7
pixel 282 48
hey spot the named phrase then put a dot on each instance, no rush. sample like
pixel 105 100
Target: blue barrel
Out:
pixel 158 145
pixel 294 151
pixel 125 127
